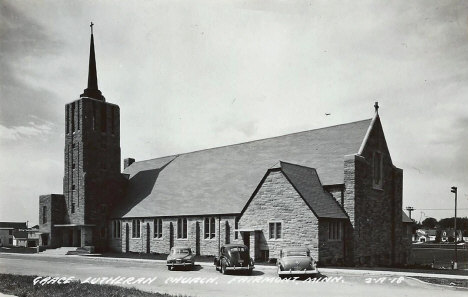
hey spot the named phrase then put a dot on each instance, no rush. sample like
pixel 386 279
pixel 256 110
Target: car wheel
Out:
pixel 169 268
pixel 223 268
pixel 249 272
pixel 280 268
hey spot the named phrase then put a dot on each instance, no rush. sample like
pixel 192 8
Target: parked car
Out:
pixel 180 257
pixel 296 261
pixel 234 257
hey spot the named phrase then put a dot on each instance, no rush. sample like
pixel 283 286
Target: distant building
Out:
pixel 445 234
pixel 7 230
pixel 334 190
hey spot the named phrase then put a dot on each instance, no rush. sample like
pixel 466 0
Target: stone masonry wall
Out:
pixel 331 250
pixel 377 210
pixel 224 233
pixel 55 213
pixel 278 201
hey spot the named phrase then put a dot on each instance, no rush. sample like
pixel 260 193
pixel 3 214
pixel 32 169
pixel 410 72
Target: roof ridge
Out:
pixel 241 143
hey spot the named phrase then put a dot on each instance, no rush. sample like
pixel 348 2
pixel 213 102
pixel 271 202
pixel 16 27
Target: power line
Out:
pixel 439 208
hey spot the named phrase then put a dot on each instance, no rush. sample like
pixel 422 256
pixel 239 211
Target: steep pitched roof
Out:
pixel 307 183
pixel 221 180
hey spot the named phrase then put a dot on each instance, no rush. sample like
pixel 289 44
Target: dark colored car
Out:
pixel 296 261
pixel 234 257
pixel 180 257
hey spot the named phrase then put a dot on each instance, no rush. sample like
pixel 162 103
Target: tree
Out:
pixel 429 223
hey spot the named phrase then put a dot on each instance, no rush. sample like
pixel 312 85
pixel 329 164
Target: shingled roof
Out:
pixel 307 183
pixel 221 180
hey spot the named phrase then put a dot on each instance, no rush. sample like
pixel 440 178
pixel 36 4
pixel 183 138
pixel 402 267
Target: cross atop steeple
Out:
pixel 376 106
pixel 92 90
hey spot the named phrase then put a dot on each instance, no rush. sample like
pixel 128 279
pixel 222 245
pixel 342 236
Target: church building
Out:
pixel 334 190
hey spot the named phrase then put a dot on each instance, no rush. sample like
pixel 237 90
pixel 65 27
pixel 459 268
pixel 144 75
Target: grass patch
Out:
pixel 444 281
pixel 22 286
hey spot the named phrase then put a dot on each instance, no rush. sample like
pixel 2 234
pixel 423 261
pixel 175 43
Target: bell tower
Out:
pixel 92 175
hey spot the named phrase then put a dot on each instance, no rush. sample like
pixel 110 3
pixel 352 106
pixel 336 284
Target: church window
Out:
pixel 78 115
pixel 210 228
pixel 182 228
pixel 157 228
pixel 136 229
pixel 116 227
pixel 73 207
pixel 67 120
pixel 377 170
pixel 73 187
pixel 44 214
pixel 73 166
pixel 275 229
pixel 334 230
pixel 236 227
pixel 94 115
pixel 72 117
pixel 103 118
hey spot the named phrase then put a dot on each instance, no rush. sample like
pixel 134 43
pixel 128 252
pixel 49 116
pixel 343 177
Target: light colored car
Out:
pixel 296 261
pixel 180 257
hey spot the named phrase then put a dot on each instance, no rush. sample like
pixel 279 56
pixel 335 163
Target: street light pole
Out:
pixel 454 190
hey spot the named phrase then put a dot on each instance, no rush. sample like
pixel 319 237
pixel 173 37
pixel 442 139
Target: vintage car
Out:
pixel 295 261
pixel 180 257
pixel 234 257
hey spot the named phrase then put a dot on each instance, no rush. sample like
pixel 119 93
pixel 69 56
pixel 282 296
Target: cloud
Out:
pixel 22 132
pixel 24 45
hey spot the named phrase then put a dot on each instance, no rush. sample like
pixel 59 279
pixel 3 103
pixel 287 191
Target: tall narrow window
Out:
pixel 157 228
pixel 136 229
pixel 72 208
pixel 116 227
pixel 103 118
pixel 78 115
pixel 67 119
pixel 334 230
pixel 182 228
pixel 236 227
pixel 94 115
pixel 210 228
pixel 44 214
pixel 275 230
pixel 72 117
pixel 377 170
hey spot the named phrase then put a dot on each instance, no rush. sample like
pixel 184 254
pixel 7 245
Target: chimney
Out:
pixel 128 162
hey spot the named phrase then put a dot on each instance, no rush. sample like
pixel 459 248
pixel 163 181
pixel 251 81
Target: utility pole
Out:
pixel 410 209
pixel 454 190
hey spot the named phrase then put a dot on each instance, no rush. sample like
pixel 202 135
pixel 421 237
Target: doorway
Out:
pixel 246 239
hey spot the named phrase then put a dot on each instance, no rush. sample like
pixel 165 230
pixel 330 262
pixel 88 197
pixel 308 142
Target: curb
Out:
pixel 438 285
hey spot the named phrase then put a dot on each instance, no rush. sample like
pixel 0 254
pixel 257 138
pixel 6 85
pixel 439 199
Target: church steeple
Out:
pixel 92 90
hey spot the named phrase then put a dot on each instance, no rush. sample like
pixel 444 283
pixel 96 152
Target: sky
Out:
pixel 191 75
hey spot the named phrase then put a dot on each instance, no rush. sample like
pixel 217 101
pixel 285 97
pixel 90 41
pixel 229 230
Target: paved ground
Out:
pixel 263 282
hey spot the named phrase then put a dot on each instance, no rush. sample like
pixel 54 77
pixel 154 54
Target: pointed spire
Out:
pixel 92 90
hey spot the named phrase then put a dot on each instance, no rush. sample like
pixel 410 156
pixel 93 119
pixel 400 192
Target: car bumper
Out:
pixel 298 272
pixel 180 264
pixel 240 268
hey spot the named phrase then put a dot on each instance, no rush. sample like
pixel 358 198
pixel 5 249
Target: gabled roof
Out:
pixel 221 180
pixel 12 225
pixel 307 183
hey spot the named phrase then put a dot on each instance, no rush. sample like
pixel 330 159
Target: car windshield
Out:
pixel 181 251
pixel 296 254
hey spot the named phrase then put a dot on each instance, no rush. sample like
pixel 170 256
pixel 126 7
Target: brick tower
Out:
pixel 92 181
